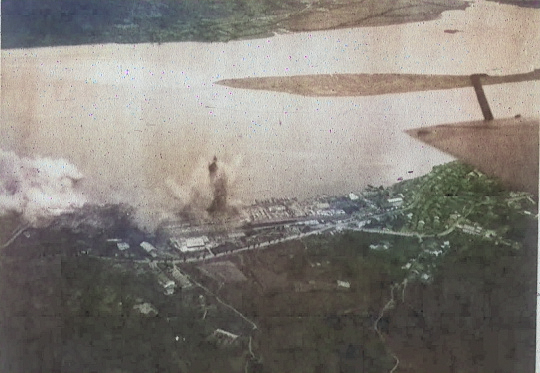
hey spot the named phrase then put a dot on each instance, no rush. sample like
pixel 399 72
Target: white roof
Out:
pixel 225 333
pixel 236 234
pixel 145 308
pixel 194 242
pixel 147 246
pixel 169 284
pixel 122 246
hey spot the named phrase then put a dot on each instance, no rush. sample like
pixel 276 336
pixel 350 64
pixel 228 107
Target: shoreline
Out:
pixel 30 24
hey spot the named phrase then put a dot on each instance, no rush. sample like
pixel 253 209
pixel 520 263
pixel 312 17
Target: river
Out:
pixel 142 122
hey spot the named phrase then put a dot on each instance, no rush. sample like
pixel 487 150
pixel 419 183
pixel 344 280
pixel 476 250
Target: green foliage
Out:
pixel 36 23
pixel 351 252
pixel 456 191
pixel 29 23
pixel 99 320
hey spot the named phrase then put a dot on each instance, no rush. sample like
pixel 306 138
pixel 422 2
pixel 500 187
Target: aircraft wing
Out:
pixel 505 148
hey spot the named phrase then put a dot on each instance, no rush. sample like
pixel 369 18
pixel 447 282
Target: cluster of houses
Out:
pixel 476 230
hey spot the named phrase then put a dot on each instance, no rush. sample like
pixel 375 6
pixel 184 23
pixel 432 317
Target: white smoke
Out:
pixel 38 188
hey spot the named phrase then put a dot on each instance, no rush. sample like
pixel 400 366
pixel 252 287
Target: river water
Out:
pixel 142 122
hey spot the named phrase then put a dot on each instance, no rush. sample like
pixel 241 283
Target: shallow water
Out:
pixel 142 122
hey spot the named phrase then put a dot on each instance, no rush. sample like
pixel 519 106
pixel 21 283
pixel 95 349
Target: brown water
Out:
pixel 142 122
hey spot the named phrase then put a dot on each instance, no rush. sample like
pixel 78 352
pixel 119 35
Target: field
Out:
pixel 306 322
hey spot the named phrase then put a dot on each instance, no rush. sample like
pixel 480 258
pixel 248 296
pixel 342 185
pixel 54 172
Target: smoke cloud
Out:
pixel 218 182
pixel 206 193
pixel 41 188
pixel 38 188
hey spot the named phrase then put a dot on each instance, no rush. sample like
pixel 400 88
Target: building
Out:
pixel 395 202
pixel 169 288
pixel 343 284
pixel 168 284
pixel 122 246
pixel 470 229
pixel 173 242
pixel 380 246
pixel 149 248
pixel 223 337
pixel 192 244
pixel 363 223
pixel 146 309
pixel 322 205
pixel 195 243
pixel 181 278
pixel 236 235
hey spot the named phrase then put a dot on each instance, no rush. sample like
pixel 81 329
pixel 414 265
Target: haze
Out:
pixel 141 123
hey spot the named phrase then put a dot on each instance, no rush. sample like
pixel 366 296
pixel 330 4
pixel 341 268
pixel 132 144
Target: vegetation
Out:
pixel 36 23
pixel 99 320
pixel 63 311
pixel 457 193
pixel 453 302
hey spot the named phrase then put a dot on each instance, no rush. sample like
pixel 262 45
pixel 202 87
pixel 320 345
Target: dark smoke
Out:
pixel 218 182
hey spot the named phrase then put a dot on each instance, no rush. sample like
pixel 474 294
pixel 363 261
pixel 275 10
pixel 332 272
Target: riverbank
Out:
pixel 136 119
pixel 38 23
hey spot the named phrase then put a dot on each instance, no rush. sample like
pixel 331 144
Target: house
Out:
pixel 436 252
pixel 343 284
pixel 322 205
pixel 385 245
pixel 169 288
pixel 181 278
pixel 395 202
pixel 277 208
pixel 122 246
pixel 173 242
pixel 194 244
pixel 363 223
pixel 146 309
pixel 223 337
pixel 407 266
pixel 470 229
pixel 167 283
pixel 149 248
pixel 236 235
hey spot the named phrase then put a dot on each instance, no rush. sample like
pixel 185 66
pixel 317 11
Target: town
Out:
pixel 362 258
pixel 393 211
